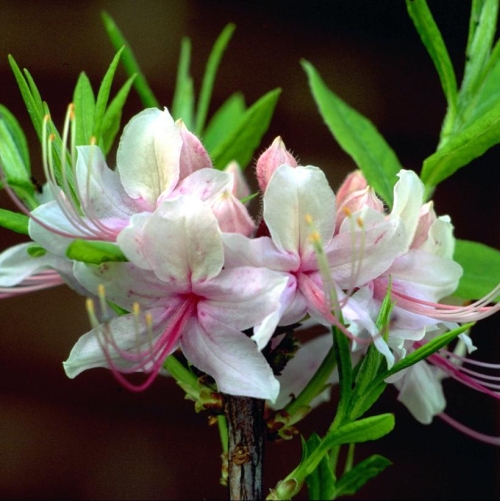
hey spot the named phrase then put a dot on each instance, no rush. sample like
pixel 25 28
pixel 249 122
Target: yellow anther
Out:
pixel 52 137
pixel 315 237
pixel 149 320
pixel 136 309
pixel 101 291
pixel 89 303
pixel 359 222
pixel 93 141
pixel 46 118
pixel 347 211
pixel 308 218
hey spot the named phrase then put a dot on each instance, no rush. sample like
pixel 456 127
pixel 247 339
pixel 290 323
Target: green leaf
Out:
pixel 423 352
pixel 14 221
pixel 223 120
pixel 129 62
pixel 354 479
pixel 94 252
pixel 344 364
pixel 364 394
pixel 17 135
pixel 183 102
pixel 363 430
pixel 32 100
pixel 321 482
pixel 113 115
pixel 103 96
pixel 209 77
pixel 84 101
pixel 13 165
pixel 482 27
pixel 481 266
pixel 433 41
pixel 245 136
pixel 462 148
pixel 357 136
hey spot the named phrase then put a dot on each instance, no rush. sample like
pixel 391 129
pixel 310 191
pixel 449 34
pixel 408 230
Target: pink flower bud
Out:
pixel 193 155
pixel 355 181
pixel 356 201
pixel 270 160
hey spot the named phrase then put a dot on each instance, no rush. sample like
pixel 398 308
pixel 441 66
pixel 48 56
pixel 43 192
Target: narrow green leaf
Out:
pixel 344 364
pixel 113 115
pixel 354 479
pixel 209 77
pixel 183 102
pixel 433 41
pixel 481 266
pixel 129 62
pixel 363 430
pixel 14 221
pixel 94 252
pixel 13 165
pixel 371 363
pixel 84 101
pixel 103 96
pixel 462 148
pixel 321 482
pixel 482 27
pixel 357 136
pixel 33 103
pixel 423 352
pixel 17 135
pixel 223 120
pixel 245 136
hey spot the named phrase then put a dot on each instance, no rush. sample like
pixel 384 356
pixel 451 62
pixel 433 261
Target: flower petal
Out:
pixel 125 284
pixel 293 194
pixel 148 155
pixel 88 351
pixel 182 241
pixel 231 358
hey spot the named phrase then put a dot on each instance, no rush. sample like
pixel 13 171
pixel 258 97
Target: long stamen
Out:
pixel 450 313
pixel 149 353
pixel 469 431
pixel 44 279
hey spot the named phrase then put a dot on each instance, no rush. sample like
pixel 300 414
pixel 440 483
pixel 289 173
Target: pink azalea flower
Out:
pixel 154 155
pixel 365 246
pixel 188 300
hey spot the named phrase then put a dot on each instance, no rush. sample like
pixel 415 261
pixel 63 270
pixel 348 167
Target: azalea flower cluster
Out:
pixel 200 275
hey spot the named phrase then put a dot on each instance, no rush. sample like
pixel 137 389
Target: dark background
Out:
pixel 88 438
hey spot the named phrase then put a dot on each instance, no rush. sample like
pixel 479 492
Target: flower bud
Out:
pixel 270 160
pixel 355 181
pixel 356 201
pixel 193 155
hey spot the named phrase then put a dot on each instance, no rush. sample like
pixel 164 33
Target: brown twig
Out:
pixel 246 427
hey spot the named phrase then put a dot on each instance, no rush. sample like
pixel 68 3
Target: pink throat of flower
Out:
pixel 151 351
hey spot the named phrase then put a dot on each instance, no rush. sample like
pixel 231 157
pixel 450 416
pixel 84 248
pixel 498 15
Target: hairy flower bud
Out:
pixel 270 160
pixel 355 181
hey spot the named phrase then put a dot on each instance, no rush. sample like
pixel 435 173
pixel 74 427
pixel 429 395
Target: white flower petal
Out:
pixel 148 155
pixel 231 358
